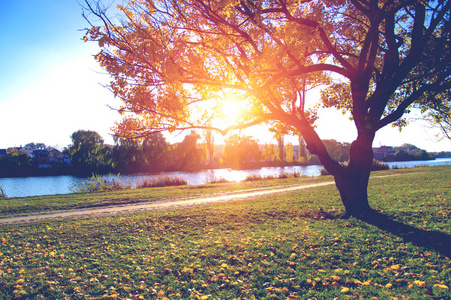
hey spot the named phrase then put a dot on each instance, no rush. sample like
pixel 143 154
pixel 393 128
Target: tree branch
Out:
pixel 400 110
pixel 323 35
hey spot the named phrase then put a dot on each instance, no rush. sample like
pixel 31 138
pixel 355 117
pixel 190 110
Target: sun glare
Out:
pixel 230 110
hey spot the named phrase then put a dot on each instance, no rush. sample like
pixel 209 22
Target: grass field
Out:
pixel 289 246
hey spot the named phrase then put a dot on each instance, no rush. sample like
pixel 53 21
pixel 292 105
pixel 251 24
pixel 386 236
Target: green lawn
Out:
pixel 288 246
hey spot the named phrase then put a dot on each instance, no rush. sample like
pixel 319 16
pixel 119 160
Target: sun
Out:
pixel 230 110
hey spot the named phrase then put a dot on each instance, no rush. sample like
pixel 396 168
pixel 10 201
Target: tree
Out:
pixel 302 150
pixel 15 162
pixel 39 146
pixel 289 153
pixel 240 150
pixel 411 152
pixel 128 156
pixel 154 147
pixel 88 153
pixel 280 146
pixel 270 152
pixel 188 153
pixel 209 144
pixel 375 59
pixel 338 151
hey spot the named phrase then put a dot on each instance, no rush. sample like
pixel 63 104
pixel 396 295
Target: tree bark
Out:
pixel 352 182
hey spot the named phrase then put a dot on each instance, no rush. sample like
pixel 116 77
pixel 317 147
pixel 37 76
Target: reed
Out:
pixel 97 183
pixel 161 182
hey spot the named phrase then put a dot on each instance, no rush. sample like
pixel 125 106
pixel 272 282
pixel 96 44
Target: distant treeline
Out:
pixel 89 154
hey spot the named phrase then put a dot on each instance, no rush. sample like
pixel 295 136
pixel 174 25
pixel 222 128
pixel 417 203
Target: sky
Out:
pixel 51 86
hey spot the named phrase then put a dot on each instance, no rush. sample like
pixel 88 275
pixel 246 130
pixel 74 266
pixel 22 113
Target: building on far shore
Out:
pixel 384 152
pixel 42 158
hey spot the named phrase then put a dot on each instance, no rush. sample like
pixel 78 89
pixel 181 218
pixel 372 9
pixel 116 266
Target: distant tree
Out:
pixel 155 147
pixel 337 150
pixel 40 146
pixel 86 138
pixel 19 158
pixel 442 154
pixel 424 155
pixel 407 152
pixel 302 150
pixel 209 144
pixel 240 150
pixel 189 154
pixel 16 162
pixel 88 153
pixel 408 147
pixel 289 152
pixel 37 146
pixel 402 155
pixel 128 156
pixel 270 152
pixel 31 145
pixel 280 146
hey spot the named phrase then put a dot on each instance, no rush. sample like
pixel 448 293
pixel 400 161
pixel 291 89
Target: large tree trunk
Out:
pixel 352 181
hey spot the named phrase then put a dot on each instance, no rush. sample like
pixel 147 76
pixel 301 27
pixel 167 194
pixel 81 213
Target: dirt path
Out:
pixel 161 204
pixel 169 203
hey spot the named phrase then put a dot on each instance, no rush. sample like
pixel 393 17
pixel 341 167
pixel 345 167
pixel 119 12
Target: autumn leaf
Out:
pixel 344 290
pixel 442 286
pixel 420 283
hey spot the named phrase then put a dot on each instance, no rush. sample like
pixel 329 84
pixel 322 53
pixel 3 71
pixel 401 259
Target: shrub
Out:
pixel 99 184
pixel 254 177
pixel 161 181
pixel 324 172
pixel 218 180
pixel 379 165
pixel 297 175
pixel 2 193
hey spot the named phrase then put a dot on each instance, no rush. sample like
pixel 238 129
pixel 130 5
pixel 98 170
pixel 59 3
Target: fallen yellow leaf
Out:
pixel 420 283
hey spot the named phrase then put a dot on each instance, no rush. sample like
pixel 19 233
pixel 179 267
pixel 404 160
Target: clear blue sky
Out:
pixel 50 84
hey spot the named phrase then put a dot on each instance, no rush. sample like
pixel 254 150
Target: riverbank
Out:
pixel 49 203
pixel 51 185
pixel 87 200
pixel 294 245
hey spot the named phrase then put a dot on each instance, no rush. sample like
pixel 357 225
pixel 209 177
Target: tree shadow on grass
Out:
pixel 434 240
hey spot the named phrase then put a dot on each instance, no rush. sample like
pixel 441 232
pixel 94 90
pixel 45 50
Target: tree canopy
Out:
pixel 175 64
pixel 88 153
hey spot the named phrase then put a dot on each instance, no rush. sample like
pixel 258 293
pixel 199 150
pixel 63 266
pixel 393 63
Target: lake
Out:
pixel 50 185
